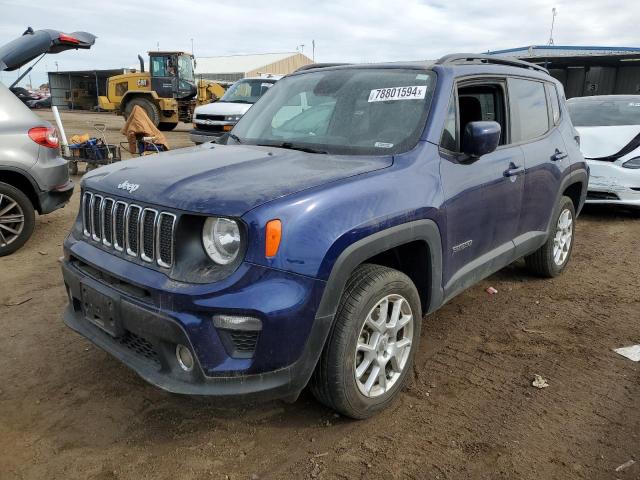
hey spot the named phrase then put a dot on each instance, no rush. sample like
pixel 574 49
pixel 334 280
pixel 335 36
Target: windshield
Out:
pixel 247 91
pixel 345 111
pixel 605 112
pixel 185 67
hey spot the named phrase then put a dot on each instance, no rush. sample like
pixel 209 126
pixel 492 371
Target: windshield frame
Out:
pixel 408 143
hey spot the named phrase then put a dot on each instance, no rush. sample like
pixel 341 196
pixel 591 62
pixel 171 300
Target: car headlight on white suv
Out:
pixel 633 163
pixel 221 239
pixel 232 118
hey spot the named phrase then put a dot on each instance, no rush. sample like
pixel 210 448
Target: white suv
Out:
pixel 215 119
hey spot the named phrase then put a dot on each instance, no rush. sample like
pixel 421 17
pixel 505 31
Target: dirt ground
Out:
pixel 68 410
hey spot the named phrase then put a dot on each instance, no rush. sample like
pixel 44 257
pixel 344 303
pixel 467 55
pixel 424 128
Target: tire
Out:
pixel 334 382
pixel 73 168
pixel 547 262
pixel 9 240
pixel 151 109
pixel 167 126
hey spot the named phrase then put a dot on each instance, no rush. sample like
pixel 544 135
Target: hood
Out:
pixel 602 142
pixel 225 180
pixel 32 44
pixel 223 108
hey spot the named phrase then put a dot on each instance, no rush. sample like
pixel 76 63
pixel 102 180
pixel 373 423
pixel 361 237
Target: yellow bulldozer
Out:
pixel 167 92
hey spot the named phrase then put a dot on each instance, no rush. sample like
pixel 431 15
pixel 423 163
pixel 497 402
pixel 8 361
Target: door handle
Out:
pixel 558 155
pixel 513 170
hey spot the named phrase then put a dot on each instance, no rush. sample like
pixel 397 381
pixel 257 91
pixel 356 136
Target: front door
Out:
pixel 483 196
pixel 164 75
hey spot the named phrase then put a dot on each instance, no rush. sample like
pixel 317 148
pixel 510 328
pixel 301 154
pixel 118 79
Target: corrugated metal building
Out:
pixel 80 89
pixel 586 70
pixel 234 67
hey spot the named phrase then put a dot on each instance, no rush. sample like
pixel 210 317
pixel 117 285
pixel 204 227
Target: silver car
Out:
pixel 33 176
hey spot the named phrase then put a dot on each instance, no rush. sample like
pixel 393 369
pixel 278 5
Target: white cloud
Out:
pixel 357 30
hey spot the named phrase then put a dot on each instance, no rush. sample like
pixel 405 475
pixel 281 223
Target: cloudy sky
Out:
pixel 353 31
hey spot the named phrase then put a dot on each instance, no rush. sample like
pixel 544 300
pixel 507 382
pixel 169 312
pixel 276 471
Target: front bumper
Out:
pixel 149 326
pixel 56 198
pixel 609 183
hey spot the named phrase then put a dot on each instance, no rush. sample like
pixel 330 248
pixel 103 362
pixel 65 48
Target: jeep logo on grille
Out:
pixel 130 187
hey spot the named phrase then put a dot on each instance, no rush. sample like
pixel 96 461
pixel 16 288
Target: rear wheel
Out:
pixel 552 258
pixel 370 349
pixel 17 219
pixel 150 108
pixel 167 126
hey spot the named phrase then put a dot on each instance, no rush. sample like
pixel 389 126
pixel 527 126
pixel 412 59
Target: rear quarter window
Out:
pixel 555 102
pixel 528 109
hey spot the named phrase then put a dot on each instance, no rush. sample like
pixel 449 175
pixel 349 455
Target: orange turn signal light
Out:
pixel 273 235
pixel 227 128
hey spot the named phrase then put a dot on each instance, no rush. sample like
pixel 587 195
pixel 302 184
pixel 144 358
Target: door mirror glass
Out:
pixel 480 138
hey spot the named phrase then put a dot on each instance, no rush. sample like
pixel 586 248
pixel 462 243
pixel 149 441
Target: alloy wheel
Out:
pixel 384 346
pixel 563 237
pixel 11 220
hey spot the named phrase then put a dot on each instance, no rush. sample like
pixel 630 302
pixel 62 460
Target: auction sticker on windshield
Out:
pixel 416 92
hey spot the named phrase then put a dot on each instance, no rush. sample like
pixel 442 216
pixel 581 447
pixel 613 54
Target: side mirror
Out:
pixel 480 138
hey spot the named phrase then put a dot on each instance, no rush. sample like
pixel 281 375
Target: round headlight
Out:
pixel 221 239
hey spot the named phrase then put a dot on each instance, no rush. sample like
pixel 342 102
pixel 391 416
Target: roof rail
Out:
pixel 311 66
pixel 478 58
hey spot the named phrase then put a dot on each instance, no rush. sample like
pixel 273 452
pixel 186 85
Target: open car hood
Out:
pixel 32 44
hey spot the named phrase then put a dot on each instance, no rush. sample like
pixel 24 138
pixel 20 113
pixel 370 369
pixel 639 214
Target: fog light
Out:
pixel 185 358
pixel 237 322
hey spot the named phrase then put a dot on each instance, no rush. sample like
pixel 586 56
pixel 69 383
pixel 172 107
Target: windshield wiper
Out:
pixel 238 101
pixel 234 136
pixel 292 146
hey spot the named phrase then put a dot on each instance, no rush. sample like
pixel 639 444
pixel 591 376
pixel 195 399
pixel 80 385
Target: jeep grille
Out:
pixel 141 232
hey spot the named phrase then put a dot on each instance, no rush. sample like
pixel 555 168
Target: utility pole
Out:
pixel 313 50
pixel 553 21
pixel 192 47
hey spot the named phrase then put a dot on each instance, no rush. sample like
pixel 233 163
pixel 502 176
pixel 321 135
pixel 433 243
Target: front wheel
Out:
pixel 369 353
pixel 552 258
pixel 150 108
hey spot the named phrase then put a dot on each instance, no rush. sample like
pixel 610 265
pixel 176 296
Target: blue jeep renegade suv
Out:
pixel 305 246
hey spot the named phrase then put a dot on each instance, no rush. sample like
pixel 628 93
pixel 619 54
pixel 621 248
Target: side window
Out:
pixel 555 103
pixel 157 67
pixel 528 108
pixel 449 140
pixel 482 102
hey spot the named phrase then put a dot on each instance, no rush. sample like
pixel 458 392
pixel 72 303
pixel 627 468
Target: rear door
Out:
pixel 535 111
pixel 484 195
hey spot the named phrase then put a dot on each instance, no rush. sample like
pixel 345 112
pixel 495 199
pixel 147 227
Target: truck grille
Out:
pixel 143 233
pixel 204 116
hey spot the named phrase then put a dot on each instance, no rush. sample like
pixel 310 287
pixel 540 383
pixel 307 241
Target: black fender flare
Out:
pixel 421 230
pixel 576 176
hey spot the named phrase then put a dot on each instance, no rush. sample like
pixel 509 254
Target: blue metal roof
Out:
pixel 567 48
